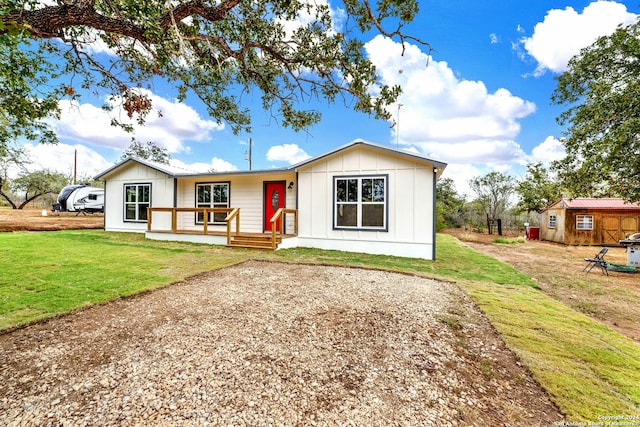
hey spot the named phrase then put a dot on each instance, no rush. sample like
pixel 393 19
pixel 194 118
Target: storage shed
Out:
pixel 589 221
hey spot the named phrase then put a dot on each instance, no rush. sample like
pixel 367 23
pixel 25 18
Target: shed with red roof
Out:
pixel 589 221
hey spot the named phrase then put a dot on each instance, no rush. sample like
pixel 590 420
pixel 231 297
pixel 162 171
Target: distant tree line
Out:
pixel 497 196
pixel 26 186
pixel 21 186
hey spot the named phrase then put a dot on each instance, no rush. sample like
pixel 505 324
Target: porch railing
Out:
pixel 234 214
pixel 174 217
pixel 278 219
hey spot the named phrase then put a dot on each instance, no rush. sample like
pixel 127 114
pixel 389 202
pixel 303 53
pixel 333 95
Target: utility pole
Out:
pixel 248 154
pixel 398 125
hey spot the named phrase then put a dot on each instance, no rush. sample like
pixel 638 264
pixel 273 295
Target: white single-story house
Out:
pixel 361 197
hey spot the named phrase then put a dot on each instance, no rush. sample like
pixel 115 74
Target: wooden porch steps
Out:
pixel 253 241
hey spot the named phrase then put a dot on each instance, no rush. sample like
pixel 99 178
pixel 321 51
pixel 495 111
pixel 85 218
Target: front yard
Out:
pixel 588 370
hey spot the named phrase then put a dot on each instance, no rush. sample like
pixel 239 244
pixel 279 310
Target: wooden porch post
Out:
pixel 174 220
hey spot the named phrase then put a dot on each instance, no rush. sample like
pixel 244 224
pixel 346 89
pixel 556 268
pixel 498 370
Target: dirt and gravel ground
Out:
pixel 295 345
pixel 557 269
pixel 33 220
pixel 272 344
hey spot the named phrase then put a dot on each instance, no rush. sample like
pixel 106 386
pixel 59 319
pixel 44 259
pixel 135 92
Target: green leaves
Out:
pixel 538 189
pixel 602 91
pixel 149 150
pixel 35 184
pixel 27 99
pixel 493 192
pixel 292 52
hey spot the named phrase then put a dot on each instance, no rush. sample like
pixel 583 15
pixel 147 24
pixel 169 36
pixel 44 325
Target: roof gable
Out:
pixel 166 169
pixel 386 149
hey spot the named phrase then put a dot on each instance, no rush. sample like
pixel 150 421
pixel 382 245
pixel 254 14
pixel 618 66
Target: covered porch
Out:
pixel 164 223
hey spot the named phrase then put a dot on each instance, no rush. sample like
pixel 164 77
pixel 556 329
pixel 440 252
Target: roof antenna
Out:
pixel 398 125
pixel 248 154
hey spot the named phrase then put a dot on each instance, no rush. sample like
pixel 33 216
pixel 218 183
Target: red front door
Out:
pixel 274 193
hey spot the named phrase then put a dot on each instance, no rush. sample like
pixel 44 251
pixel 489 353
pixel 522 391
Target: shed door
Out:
pixel 629 225
pixel 274 194
pixel 615 229
pixel 610 227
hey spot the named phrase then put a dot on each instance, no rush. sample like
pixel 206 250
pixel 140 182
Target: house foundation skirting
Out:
pixel 208 239
pixel 374 247
pixel 401 249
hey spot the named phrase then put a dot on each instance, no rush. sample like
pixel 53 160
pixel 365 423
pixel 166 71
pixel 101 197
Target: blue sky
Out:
pixel 480 102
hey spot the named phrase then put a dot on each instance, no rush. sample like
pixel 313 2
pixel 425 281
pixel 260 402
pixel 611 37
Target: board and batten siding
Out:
pixel 410 222
pixel 246 192
pixel 161 195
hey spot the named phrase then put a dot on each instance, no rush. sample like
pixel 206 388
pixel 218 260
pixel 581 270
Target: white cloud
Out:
pixel 448 118
pixel 565 31
pixel 478 151
pixel 61 158
pixel 549 150
pixel 168 125
pixel 461 175
pixel 216 164
pixel 41 4
pixel 412 150
pixel 290 153
pixel 308 15
pixel 92 43
pixel 220 165
pixel 493 38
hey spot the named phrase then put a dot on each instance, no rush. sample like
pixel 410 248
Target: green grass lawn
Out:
pixel 45 274
pixel 587 369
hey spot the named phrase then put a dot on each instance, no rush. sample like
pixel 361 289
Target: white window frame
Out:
pixel 138 204
pixel 359 203
pixel 584 222
pixel 213 203
pixel 553 219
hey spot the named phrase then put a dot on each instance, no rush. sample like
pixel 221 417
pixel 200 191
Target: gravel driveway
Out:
pixel 271 344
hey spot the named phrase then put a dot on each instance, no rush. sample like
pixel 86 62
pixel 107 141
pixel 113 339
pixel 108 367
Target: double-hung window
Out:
pixel 552 221
pixel 584 222
pixel 212 195
pixel 360 202
pixel 137 198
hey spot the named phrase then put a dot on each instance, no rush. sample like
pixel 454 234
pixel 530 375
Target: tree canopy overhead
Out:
pixel 602 89
pixel 291 51
pixel 148 150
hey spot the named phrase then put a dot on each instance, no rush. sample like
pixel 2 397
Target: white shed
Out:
pixel 361 197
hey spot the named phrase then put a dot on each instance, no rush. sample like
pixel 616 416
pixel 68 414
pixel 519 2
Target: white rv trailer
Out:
pixel 80 198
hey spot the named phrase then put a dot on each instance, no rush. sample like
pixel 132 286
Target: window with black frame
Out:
pixel 360 202
pixel 212 195
pixel 137 199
